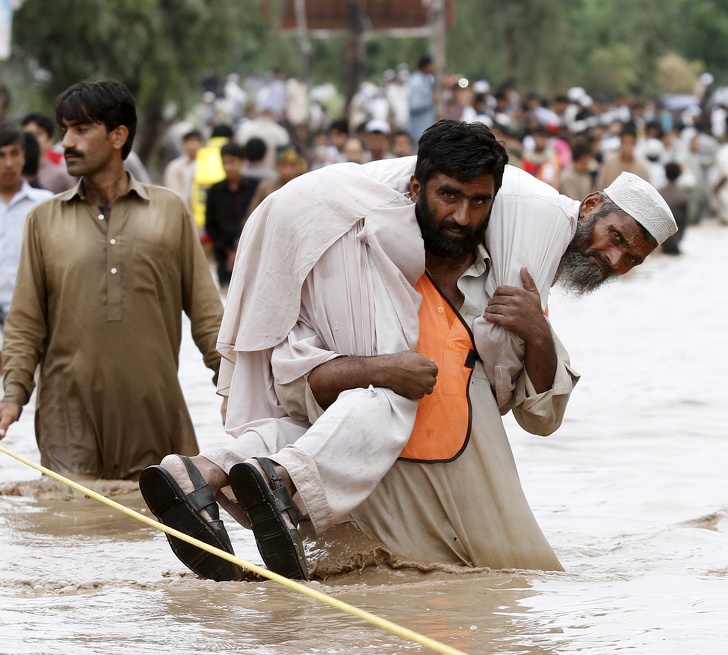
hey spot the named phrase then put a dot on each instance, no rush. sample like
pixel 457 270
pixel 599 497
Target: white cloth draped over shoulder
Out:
pixel 282 241
pixel 531 225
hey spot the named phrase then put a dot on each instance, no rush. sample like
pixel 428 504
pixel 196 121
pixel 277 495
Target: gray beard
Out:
pixel 578 277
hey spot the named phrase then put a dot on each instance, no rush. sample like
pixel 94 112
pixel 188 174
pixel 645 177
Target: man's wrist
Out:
pixel 15 393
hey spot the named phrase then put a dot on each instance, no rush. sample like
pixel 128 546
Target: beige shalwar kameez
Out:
pixel 98 304
pixel 340 280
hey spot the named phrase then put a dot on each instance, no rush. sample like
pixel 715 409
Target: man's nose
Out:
pixel 615 258
pixel 461 214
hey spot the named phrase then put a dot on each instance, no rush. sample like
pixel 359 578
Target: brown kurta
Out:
pixel 98 304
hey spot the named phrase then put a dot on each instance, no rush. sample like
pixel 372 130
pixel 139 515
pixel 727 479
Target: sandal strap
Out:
pixel 283 499
pixel 201 497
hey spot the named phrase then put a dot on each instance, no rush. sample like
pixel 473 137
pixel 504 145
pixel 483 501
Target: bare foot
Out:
pixel 213 475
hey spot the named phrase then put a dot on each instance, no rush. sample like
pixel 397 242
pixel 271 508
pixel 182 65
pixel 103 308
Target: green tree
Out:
pixel 705 36
pixel 158 48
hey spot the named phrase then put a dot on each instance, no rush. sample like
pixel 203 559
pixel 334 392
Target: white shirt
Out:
pixel 12 224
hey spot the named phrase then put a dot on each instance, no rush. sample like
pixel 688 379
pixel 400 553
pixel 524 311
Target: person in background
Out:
pixel 623 160
pixel 17 198
pixel 227 208
pixel 422 97
pixel 338 134
pixel 541 159
pixel 678 200
pixel 264 126
pixel 32 160
pixel 180 172
pixel 255 167
pixel 354 150
pixel 377 137
pixel 52 174
pixel 208 171
pixel 290 163
pixel 578 179
pixel 402 145
pixel 106 270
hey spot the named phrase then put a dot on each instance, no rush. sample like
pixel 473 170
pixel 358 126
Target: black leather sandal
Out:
pixel 279 545
pixel 181 511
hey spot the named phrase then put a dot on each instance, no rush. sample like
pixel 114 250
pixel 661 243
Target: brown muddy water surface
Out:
pixel 631 492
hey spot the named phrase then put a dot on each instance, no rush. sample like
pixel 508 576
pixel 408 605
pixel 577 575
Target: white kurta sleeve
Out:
pixel 542 413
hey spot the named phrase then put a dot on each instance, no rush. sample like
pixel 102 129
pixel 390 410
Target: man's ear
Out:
pixel 589 204
pixel 415 188
pixel 118 136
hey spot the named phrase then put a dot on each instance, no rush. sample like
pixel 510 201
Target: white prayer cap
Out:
pixel 377 125
pixel 643 203
pixel 481 86
pixel 575 94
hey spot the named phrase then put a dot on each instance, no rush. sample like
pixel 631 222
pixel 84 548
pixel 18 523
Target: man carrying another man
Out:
pixel 335 330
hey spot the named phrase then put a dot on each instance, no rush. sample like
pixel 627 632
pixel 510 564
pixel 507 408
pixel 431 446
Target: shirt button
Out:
pixel 101 217
pixel 113 271
pixel 113 242
pixel 440 309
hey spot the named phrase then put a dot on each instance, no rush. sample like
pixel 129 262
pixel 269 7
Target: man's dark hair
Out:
pixel 107 102
pixel 628 129
pixel 580 149
pixel 424 62
pixel 9 134
pixel 339 125
pixel 673 171
pixel 255 149
pixel 460 150
pixel 222 130
pixel 233 150
pixel 32 155
pixel 192 134
pixel 41 120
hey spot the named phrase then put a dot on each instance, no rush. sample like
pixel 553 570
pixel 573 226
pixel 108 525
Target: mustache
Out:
pixel 70 152
pixel 455 227
pixel 608 270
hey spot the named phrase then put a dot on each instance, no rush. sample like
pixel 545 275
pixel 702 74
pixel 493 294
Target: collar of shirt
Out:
pixel 27 192
pixel 472 285
pixel 135 187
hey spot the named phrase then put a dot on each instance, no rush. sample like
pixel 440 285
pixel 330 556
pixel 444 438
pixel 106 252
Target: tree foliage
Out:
pixel 158 48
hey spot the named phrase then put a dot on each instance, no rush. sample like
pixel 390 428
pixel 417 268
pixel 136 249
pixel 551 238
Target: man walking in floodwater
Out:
pixel 106 270
pixel 372 310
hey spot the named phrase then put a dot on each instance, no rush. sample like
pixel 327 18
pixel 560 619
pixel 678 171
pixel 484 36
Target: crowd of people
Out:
pixel 366 305
pixel 575 142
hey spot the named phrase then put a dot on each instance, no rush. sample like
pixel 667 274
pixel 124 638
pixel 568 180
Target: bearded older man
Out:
pixel 356 350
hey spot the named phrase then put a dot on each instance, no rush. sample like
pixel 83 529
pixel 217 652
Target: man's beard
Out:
pixel 576 274
pixel 443 245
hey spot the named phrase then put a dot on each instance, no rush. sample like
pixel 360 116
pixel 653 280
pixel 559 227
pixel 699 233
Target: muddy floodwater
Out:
pixel 632 492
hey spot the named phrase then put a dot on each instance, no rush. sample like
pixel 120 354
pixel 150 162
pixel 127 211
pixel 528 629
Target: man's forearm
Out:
pixel 407 373
pixel 540 363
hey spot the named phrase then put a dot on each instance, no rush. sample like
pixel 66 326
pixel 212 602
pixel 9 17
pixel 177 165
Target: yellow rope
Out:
pixel 378 621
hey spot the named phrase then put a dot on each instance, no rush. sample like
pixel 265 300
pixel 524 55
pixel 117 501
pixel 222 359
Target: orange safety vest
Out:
pixel 443 421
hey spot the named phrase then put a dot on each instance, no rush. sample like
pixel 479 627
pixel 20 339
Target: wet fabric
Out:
pixel 338 278
pixel 98 304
